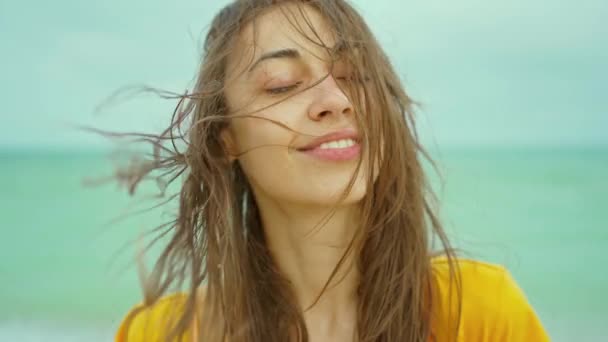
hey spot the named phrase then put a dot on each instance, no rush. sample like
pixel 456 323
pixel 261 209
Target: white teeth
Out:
pixel 343 143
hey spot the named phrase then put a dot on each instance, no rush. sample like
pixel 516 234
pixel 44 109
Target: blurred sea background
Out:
pixel 514 111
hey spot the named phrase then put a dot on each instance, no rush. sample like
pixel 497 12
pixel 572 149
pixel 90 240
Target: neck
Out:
pixel 307 245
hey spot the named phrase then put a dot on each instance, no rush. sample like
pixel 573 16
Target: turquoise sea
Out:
pixel 65 274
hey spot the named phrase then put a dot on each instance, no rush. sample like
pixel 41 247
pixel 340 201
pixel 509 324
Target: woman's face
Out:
pixel 292 167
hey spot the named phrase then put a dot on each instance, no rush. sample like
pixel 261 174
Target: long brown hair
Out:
pixel 217 237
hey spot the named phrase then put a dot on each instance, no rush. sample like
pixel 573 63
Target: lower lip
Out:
pixel 335 154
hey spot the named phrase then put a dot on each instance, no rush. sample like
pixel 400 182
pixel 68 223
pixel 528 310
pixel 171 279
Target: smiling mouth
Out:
pixel 332 145
pixel 336 150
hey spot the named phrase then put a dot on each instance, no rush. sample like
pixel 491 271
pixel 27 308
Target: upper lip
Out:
pixel 348 133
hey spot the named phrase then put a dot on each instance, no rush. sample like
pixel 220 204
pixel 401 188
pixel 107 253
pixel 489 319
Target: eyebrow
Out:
pixel 339 48
pixel 283 53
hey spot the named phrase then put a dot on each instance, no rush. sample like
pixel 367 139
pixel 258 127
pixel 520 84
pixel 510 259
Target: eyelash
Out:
pixel 357 79
pixel 282 90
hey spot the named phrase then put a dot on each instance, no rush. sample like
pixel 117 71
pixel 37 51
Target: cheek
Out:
pixel 260 132
pixel 263 146
pixel 269 167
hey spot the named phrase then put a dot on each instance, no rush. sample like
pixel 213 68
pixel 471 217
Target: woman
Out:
pixel 304 212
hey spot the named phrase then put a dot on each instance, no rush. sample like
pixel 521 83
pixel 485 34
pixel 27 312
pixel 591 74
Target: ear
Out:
pixel 227 140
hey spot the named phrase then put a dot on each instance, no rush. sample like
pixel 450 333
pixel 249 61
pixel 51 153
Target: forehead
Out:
pixel 290 25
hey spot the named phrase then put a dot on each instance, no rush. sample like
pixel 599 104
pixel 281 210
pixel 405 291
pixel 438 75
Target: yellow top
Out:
pixel 493 309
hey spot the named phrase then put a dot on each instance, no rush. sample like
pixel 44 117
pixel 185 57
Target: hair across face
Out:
pixel 299 80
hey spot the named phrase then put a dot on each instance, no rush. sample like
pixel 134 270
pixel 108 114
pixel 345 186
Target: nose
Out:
pixel 329 100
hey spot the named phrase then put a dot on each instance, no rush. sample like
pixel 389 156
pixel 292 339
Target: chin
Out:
pixel 356 195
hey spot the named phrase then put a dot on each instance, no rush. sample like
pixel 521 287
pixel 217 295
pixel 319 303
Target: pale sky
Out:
pixel 507 73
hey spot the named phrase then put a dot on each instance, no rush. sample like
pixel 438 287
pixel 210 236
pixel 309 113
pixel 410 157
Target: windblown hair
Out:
pixel 216 240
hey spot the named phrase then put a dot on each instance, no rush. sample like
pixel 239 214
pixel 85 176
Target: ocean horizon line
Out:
pixel 21 150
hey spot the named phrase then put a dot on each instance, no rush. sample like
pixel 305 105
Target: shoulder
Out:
pixel 486 300
pixel 478 280
pixel 151 323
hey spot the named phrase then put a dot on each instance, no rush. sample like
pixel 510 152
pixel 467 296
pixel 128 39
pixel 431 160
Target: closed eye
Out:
pixel 351 78
pixel 282 90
